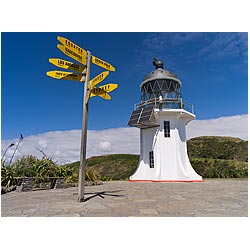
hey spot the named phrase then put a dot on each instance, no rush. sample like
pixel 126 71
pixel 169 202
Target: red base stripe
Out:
pixel 166 180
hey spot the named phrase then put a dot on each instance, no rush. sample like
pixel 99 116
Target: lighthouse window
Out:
pixel 151 159
pixel 167 128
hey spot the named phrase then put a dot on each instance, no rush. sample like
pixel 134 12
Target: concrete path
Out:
pixel 214 197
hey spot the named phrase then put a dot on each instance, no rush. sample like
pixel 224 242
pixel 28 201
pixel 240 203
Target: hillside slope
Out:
pixel 115 167
pixel 111 167
pixel 218 147
pixel 210 156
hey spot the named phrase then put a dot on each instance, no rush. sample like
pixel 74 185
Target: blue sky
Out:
pixel 211 66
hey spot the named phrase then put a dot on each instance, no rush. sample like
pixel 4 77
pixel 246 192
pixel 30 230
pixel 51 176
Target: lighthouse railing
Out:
pixel 170 103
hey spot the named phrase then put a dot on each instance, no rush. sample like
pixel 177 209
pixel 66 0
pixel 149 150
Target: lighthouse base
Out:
pixel 163 149
pixel 179 171
pixel 166 180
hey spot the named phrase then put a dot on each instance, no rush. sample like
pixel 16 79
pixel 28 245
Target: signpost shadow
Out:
pixel 103 193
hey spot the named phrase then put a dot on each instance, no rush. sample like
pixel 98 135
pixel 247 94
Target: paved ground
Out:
pixel 214 197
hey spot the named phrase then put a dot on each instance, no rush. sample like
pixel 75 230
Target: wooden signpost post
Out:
pixel 90 90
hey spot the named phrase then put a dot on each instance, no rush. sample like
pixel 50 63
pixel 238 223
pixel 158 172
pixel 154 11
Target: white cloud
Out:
pixel 104 146
pixel 64 146
pixel 235 126
pixel 42 144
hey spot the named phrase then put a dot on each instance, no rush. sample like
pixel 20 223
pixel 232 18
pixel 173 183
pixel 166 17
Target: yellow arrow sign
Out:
pixel 99 78
pixel 102 63
pixel 102 93
pixel 66 64
pixel 107 88
pixel 72 49
pixel 81 58
pixel 105 96
pixel 65 75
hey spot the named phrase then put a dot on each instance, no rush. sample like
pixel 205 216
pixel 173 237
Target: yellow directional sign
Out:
pixel 73 50
pixel 66 64
pixel 107 88
pixel 81 58
pixel 100 92
pixel 102 63
pixel 105 96
pixel 99 78
pixel 65 75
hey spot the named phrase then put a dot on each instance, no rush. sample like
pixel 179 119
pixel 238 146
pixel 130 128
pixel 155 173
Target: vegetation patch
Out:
pixel 218 147
pixel 210 156
pixel 219 168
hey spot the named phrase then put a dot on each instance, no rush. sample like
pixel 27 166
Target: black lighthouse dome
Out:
pixel 160 85
pixel 159 72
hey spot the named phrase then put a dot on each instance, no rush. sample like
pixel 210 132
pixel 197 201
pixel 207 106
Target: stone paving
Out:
pixel 213 198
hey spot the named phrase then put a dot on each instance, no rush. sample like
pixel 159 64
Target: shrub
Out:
pixel 7 176
pixel 92 175
pixel 69 172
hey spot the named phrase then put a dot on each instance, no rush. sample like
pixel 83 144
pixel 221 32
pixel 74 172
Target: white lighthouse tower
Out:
pixel 162 117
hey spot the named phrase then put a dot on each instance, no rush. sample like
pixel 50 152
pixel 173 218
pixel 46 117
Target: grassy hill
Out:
pixel 218 147
pixel 115 167
pixel 219 157
pixel 111 167
pixel 210 156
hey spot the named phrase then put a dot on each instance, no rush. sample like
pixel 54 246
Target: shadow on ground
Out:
pixel 103 194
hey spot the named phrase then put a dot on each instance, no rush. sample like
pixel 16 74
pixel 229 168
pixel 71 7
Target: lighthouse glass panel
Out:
pixel 165 92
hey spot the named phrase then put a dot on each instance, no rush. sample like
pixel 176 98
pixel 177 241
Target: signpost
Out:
pixel 86 58
pixel 85 108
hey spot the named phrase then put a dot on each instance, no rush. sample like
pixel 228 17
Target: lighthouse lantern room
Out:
pixel 162 117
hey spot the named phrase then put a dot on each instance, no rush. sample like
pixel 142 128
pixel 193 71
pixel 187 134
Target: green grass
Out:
pixel 218 147
pixel 219 168
pixel 115 167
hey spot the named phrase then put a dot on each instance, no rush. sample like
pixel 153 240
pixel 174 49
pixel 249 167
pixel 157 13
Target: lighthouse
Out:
pixel 162 117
